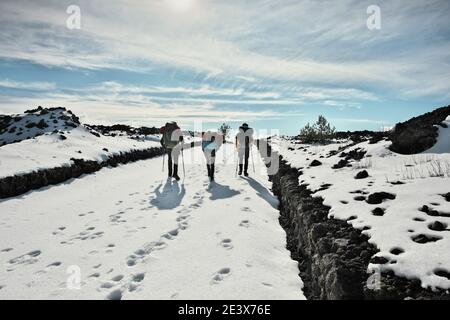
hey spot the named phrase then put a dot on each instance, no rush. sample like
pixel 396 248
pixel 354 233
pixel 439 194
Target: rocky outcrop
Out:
pixel 20 184
pixel 112 130
pixel 36 122
pixel 418 134
pixel 333 256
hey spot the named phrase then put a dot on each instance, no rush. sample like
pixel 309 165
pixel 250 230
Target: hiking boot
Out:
pixel 246 173
pixel 240 169
pixel 175 172
pixel 170 170
pixel 211 176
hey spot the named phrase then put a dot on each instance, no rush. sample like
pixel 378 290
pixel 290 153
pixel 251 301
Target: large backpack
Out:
pixel 171 138
pixel 211 141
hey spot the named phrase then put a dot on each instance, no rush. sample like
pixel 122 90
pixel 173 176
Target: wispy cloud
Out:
pixel 319 43
pixel 227 59
pixel 6 83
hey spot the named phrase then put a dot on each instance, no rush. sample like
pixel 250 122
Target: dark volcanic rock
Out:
pixel 418 134
pixel 315 163
pixel 341 164
pixel 359 136
pixel 437 226
pixel 442 273
pixel 425 238
pixel 447 197
pixel 379 260
pixel 433 212
pixel 42 124
pixel 379 197
pixel 397 251
pixel 362 175
pixel 378 212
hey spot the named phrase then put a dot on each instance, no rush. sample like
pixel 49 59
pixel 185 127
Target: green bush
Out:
pixel 224 129
pixel 319 132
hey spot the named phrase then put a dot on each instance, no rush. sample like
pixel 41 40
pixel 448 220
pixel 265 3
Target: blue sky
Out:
pixel 276 64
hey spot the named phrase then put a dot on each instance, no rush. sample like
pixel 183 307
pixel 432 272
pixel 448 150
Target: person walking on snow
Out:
pixel 211 143
pixel 172 141
pixel 244 141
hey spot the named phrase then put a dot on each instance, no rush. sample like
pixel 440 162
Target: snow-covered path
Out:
pixel 130 233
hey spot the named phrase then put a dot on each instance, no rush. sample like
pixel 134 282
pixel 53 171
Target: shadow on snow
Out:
pixel 170 197
pixel 262 192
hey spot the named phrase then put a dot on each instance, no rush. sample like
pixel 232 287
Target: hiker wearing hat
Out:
pixel 172 141
pixel 244 141
pixel 211 142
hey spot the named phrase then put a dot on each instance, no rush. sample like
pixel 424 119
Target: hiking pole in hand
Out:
pixel 182 159
pixel 164 160
pixel 253 162
pixel 236 158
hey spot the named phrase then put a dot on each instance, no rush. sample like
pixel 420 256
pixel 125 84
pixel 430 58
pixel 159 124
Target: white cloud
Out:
pixel 317 42
pixel 6 83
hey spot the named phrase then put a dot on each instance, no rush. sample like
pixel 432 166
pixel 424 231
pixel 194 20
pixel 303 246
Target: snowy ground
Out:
pixel 49 151
pixel 133 234
pixel 56 141
pixel 414 240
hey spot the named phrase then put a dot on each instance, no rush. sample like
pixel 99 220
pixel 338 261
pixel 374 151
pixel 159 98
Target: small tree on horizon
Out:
pixel 224 129
pixel 319 132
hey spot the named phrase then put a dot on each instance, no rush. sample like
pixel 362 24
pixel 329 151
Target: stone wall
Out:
pixel 20 184
pixel 333 257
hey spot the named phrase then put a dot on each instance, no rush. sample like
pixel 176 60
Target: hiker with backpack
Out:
pixel 211 143
pixel 244 141
pixel 172 141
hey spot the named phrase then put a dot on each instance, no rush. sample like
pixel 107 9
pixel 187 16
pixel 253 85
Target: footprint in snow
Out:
pixel 138 277
pixel 53 265
pixel 28 258
pixel 107 285
pixel 171 234
pixel 244 223
pixel 117 278
pixel 133 285
pixel 226 243
pixel 183 225
pixel 141 253
pixel 182 218
pixel 115 295
pixel 221 275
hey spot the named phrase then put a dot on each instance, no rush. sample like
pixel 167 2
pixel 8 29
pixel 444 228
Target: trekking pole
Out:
pixel 236 158
pixel 182 159
pixel 164 160
pixel 253 162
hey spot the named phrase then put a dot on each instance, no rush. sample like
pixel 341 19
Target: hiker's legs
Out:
pixel 210 159
pixel 212 169
pixel 241 153
pixel 169 161
pixel 175 156
pixel 208 165
pixel 247 154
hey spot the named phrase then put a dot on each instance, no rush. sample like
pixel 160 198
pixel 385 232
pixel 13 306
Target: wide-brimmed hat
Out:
pixel 244 125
